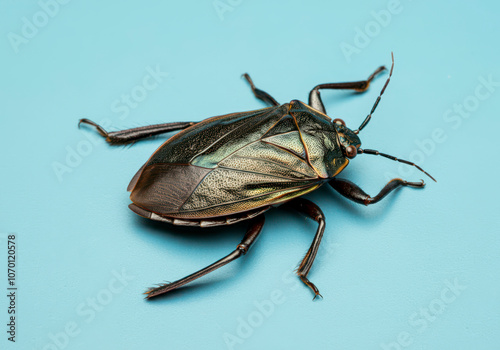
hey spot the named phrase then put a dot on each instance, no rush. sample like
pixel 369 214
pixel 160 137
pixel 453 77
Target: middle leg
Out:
pixel 260 94
pixel 312 211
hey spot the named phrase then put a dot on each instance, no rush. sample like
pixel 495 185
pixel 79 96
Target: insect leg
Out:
pixel 131 135
pixel 253 231
pixel 353 192
pixel 312 211
pixel 360 86
pixel 261 95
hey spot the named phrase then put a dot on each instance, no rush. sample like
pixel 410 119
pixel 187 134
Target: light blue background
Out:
pixel 378 265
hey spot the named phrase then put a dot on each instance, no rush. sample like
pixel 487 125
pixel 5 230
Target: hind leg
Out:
pixel 251 235
pixel 131 135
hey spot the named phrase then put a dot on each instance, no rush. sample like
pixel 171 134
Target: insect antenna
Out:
pixel 377 153
pixel 367 119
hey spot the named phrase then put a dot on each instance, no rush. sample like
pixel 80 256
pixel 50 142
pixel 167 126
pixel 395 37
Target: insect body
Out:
pixel 234 167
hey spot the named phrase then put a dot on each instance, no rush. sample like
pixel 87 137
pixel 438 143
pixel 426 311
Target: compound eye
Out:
pixel 351 152
pixel 339 121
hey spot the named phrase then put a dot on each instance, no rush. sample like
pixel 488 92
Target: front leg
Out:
pixel 359 86
pixel 355 193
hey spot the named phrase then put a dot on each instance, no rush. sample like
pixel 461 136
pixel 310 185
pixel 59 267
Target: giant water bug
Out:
pixel 235 167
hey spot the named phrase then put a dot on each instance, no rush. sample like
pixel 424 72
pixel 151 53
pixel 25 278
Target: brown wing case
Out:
pixel 238 162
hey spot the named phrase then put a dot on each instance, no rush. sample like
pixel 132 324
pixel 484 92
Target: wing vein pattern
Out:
pixel 247 160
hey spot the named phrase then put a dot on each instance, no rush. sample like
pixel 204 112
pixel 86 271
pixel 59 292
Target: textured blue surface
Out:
pixel 385 271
